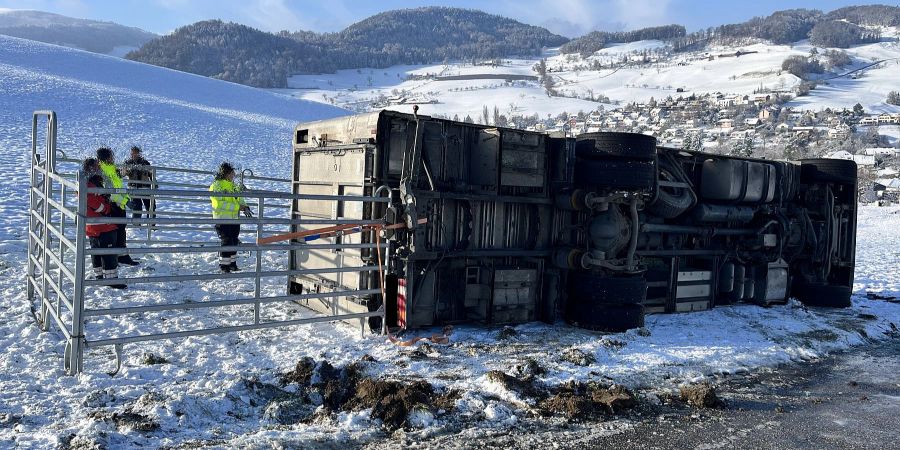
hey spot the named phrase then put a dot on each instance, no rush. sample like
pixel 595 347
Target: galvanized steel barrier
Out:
pixel 58 250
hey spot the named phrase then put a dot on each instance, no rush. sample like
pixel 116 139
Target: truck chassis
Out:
pixel 598 230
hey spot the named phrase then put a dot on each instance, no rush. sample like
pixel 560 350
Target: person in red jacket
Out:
pixel 101 235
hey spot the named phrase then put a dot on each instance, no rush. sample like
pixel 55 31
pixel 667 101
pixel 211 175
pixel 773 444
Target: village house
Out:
pixel 888 119
pixel 861 160
pixel 880 151
pixel 869 120
pixel 841 131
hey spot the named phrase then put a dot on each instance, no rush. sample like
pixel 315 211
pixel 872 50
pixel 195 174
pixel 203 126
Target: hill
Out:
pixel 245 55
pixel 232 52
pixel 842 28
pixel 179 118
pixel 597 40
pixel 91 35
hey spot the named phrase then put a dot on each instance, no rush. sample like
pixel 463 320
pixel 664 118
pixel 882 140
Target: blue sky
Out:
pixel 566 17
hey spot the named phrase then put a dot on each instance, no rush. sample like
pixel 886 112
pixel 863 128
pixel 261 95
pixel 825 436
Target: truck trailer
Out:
pixel 503 226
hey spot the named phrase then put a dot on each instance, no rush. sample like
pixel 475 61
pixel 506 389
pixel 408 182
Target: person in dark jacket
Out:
pixel 111 179
pixel 139 177
pixel 101 235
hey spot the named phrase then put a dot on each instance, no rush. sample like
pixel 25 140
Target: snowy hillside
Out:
pixel 666 74
pixel 226 392
pixel 91 35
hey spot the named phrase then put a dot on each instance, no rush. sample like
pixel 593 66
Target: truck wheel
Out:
pixel 821 294
pixel 671 201
pixel 828 170
pixel 587 287
pixel 787 182
pixel 606 317
pixel 618 145
pixel 615 173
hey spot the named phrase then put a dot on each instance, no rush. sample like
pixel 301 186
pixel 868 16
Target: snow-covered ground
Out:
pixel 358 89
pixel 208 393
pixel 693 73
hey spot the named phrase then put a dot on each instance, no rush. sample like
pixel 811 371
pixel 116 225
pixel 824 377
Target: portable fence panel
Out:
pixel 59 253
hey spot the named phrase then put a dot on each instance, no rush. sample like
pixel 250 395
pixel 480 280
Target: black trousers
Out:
pixel 141 204
pixel 228 235
pixel 116 211
pixel 105 240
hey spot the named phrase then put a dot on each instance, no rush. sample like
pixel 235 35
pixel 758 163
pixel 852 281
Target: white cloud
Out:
pixel 577 17
pixel 642 13
pixel 72 8
pixel 273 15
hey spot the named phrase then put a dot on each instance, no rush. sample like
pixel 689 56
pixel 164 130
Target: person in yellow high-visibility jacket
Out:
pixel 227 206
pixel 118 202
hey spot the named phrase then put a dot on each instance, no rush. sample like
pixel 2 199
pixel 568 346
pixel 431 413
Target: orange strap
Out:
pixel 327 231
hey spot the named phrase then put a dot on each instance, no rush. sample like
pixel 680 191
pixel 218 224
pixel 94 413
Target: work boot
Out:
pixel 126 259
pixel 225 268
pixel 112 275
pixel 233 267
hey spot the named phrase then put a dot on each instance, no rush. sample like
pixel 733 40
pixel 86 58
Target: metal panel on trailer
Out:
pixel 480 188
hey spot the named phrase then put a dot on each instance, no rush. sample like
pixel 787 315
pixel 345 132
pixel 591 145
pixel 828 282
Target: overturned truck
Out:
pixel 511 226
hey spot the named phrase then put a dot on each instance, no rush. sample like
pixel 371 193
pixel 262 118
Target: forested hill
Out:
pixel 596 40
pixel 245 55
pixel 842 28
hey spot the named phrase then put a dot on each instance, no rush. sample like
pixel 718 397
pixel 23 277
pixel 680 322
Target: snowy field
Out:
pixel 358 89
pixel 693 73
pixel 217 391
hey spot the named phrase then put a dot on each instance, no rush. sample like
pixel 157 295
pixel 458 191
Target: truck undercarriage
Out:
pixel 599 229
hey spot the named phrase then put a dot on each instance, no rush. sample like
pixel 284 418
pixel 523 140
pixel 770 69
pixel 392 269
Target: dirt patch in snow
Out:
pixel 396 403
pixel 391 401
pixel 348 388
pixel 529 369
pixel 578 357
pixel 507 332
pixel 523 387
pixel 587 400
pixel 447 400
pixel 151 359
pixel 702 395
pixel 301 374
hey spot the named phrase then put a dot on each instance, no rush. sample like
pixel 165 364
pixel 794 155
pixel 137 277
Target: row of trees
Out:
pixel 597 40
pixel 840 34
pixel 840 28
pixel 802 66
pixel 414 36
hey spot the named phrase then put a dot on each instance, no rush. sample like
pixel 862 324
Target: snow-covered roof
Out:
pixel 890 183
pixel 880 151
pixel 863 160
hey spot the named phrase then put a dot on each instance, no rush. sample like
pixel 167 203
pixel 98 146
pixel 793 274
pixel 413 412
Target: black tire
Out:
pixel 592 288
pixel 787 184
pixel 670 205
pixel 606 317
pixel 670 202
pixel 828 170
pixel 616 145
pixel 615 173
pixel 826 295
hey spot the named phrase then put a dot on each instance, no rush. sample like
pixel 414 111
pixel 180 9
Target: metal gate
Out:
pixel 58 249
